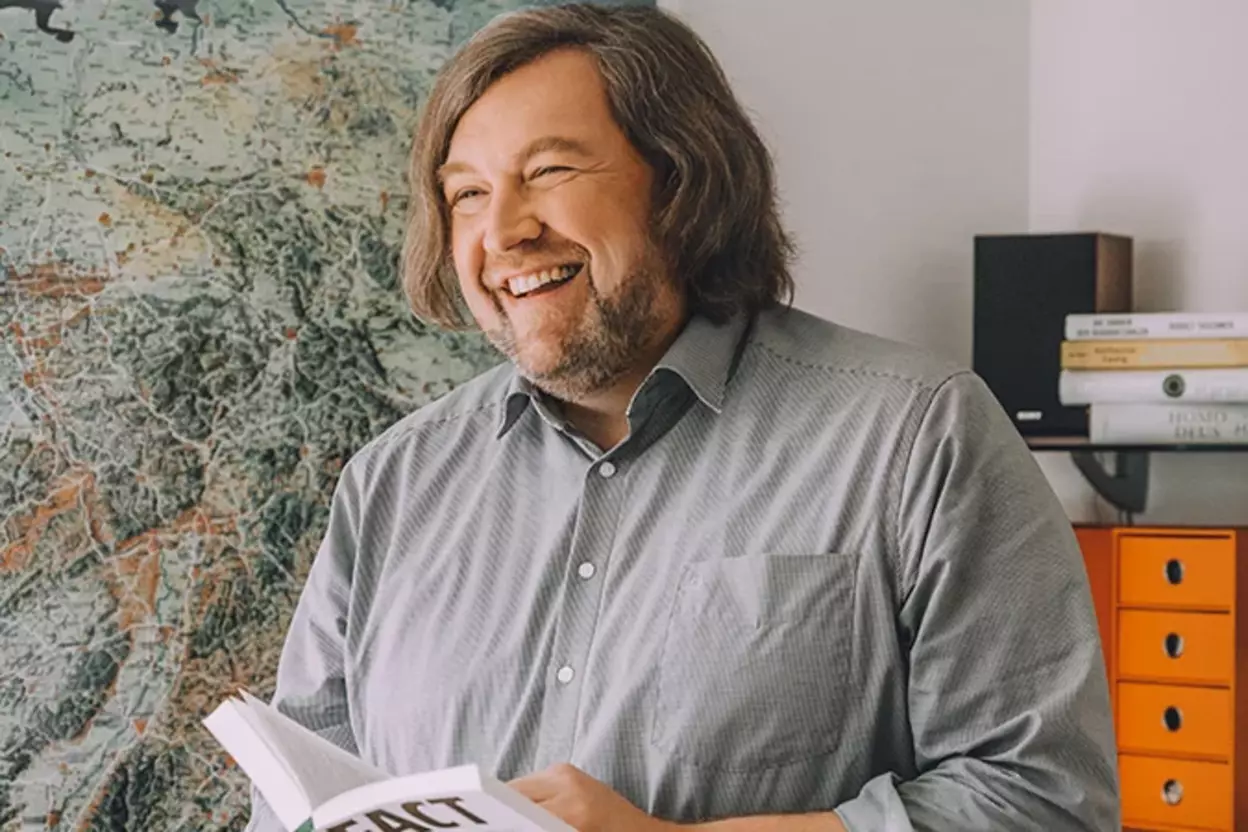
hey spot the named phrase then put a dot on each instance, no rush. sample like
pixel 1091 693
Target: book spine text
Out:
pixel 1155 424
pixel 1080 387
pixel 1186 353
pixel 1080 327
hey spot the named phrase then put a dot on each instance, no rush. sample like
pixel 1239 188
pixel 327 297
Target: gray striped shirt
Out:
pixel 823 572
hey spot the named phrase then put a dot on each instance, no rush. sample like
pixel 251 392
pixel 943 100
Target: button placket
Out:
pixel 575 631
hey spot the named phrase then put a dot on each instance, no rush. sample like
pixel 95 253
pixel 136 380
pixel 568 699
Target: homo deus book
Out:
pixel 313 785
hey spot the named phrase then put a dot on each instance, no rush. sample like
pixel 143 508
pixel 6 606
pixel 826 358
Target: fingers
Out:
pixel 548 783
pixel 570 795
pixel 538 787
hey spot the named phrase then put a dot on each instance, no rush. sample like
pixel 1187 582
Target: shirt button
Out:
pixel 606 470
pixel 565 674
pixel 585 570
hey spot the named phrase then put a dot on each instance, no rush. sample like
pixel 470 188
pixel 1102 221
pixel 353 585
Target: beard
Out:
pixel 605 344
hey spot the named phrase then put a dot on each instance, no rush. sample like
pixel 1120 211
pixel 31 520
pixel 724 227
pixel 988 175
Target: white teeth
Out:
pixel 524 284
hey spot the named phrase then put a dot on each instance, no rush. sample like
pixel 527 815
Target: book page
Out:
pixel 454 798
pixel 322 769
pixel 261 763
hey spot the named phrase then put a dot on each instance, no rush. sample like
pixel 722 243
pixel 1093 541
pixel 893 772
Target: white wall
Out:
pixel 1139 125
pixel 902 128
pixel 900 131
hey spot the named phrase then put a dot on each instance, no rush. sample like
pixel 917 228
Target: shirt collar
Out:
pixel 704 356
pixel 520 393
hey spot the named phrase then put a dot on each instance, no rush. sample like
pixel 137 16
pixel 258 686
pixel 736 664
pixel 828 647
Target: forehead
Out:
pixel 560 94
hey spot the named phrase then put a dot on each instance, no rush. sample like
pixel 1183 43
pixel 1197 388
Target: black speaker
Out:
pixel 1025 286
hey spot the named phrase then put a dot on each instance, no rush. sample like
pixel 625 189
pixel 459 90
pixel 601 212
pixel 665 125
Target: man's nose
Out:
pixel 512 220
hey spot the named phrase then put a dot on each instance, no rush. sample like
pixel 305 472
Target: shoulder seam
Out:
pixel 858 371
pixel 420 425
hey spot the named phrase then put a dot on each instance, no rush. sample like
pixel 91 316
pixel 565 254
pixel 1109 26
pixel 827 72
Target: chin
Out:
pixel 539 365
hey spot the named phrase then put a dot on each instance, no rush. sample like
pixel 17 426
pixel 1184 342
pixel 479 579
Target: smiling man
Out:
pixel 550 234
pixel 690 557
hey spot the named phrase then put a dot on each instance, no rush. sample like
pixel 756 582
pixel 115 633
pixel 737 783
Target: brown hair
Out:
pixel 716 218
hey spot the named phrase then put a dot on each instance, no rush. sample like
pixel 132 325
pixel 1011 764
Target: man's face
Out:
pixel 550 211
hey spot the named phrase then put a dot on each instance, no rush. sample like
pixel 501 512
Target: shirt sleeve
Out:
pixel 311 685
pixel 1008 696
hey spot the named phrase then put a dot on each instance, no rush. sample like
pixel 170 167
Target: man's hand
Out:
pixel 584 803
pixel 590 806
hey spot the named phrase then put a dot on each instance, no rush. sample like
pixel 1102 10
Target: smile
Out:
pixel 527 284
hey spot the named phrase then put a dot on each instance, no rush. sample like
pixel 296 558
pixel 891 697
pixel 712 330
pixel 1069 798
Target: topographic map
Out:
pixel 201 210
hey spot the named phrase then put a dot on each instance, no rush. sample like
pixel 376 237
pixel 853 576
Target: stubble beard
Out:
pixel 603 347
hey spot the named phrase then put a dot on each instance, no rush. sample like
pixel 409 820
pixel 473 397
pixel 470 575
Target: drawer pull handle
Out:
pixel 1174 571
pixel 1174 645
pixel 1172 718
pixel 1172 792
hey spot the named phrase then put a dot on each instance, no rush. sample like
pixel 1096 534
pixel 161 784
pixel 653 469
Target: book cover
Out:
pixel 1193 353
pixel 1162 424
pixel 1081 387
pixel 1086 327
pixel 313 785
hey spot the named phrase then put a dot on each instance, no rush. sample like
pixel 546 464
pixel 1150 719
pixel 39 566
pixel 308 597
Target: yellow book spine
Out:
pixel 1179 353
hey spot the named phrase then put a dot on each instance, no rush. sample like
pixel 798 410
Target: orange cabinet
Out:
pixel 1174 720
pixel 1160 793
pixel 1195 647
pixel 1174 625
pixel 1183 572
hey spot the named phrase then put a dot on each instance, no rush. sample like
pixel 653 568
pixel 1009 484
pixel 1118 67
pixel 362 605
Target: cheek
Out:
pixel 616 221
pixel 611 236
pixel 466 254
pixel 468 260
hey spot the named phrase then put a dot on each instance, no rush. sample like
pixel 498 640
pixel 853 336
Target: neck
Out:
pixel 603 416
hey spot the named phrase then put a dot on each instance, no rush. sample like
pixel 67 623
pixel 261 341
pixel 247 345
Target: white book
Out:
pixel 1163 424
pixel 1080 387
pixel 1136 325
pixel 313 785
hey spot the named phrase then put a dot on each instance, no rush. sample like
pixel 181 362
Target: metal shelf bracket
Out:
pixel 1126 487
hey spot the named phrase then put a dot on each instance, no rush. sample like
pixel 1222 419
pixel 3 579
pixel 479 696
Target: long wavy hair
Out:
pixel 716 219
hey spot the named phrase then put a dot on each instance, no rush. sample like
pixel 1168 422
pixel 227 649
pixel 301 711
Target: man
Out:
pixel 689 557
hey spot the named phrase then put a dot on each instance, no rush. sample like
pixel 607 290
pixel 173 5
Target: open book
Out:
pixel 312 784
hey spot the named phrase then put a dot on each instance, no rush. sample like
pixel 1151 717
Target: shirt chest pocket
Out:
pixel 756 661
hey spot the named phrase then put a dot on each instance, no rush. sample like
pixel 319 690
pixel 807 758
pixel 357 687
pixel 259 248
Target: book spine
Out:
pixel 1152 424
pixel 1080 387
pixel 1081 327
pixel 1188 353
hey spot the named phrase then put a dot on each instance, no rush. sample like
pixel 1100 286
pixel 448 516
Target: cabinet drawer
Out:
pixel 1175 793
pixel 1176 571
pixel 1176 646
pixel 1168 719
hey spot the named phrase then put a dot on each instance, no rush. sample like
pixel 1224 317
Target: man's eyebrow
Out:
pixel 545 144
pixel 450 169
pixel 558 144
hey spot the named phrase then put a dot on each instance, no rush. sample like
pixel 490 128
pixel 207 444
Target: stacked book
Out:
pixel 1159 378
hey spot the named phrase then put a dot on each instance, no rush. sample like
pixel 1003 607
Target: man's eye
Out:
pixel 549 169
pixel 466 193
